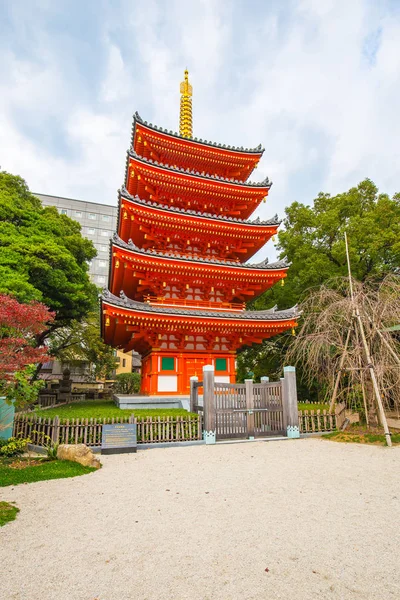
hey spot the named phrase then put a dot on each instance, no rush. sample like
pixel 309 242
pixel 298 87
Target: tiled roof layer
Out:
pixel 247 315
pixel 280 264
pixel 137 118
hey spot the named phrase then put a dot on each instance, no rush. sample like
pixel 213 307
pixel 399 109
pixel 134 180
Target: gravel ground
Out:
pixel 299 519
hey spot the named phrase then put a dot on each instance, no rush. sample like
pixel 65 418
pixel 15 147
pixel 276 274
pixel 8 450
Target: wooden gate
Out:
pixel 247 410
pixel 230 410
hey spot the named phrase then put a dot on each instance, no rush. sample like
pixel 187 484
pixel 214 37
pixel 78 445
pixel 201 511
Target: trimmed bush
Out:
pixel 127 383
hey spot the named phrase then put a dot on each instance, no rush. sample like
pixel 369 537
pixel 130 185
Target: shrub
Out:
pixel 127 383
pixel 14 447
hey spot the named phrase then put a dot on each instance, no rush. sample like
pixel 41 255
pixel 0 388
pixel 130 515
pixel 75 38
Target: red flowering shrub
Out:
pixel 19 326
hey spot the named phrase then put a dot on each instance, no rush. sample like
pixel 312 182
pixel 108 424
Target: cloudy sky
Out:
pixel 317 82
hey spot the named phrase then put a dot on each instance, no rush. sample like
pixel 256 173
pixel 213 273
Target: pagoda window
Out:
pixel 167 363
pixel 220 364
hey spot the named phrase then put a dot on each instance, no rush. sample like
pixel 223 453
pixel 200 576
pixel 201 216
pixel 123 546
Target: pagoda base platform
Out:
pixel 167 373
pixel 140 401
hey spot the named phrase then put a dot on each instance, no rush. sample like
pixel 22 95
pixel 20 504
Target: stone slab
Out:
pixel 135 401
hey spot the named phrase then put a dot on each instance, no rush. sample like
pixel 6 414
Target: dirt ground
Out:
pixel 299 519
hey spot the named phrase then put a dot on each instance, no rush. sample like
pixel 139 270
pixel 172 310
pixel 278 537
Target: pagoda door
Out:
pixel 194 367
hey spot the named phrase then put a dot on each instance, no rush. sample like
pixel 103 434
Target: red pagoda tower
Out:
pixel 178 284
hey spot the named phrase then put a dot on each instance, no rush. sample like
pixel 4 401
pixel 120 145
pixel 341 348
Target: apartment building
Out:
pixel 98 222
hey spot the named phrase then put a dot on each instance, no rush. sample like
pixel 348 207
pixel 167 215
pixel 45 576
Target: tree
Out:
pixel 82 341
pixel 20 324
pixel 43 256
pixel 312 240
pixel 342 331
pixel 127 383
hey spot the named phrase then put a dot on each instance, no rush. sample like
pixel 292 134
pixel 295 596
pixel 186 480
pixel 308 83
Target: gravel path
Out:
pixel 296 520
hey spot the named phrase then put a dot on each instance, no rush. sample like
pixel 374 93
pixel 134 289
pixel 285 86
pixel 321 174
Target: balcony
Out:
pixel 198 304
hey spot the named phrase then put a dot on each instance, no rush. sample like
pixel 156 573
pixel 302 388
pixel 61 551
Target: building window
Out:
pixel 102 263
pixel 167 363
pixel 78 214
pixel 101 279
pixel 105 233
pixel 90 230
pixel 106 218
pixel 63 211
pixel 220 364
pixel 92 216
pixel 103 248
pixel 123 362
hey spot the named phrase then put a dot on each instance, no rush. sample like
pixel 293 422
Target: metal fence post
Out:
pixel 250 407
pixel 194 394
pixel 290 402
pixel 210 425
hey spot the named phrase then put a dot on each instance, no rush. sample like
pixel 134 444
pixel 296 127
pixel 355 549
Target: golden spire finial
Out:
pixel 185 120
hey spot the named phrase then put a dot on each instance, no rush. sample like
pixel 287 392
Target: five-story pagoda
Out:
pixel 178 284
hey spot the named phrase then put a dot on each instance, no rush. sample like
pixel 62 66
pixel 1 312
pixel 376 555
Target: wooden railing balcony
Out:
pixel 201 304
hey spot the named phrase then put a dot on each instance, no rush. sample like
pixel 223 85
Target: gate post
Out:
pixel 289 400
pixel 250 406
pixel 210 424
pixel 194 394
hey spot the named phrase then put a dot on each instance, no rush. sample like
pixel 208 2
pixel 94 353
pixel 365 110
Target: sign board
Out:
pixel 118 438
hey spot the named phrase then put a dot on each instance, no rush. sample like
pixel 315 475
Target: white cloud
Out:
pixel 297 80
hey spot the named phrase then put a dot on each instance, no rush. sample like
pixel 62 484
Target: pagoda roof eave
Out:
pixel 123 193
pixel 266 183
pixel 138 119
pixel 271 314
pixel 264 265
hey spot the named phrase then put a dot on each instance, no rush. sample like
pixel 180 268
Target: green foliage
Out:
pixel 82 341
pixel 45 470
pixel 8 512
pixel 14 447
pixel 51 447
pixel 22 391
pixel 312 240
pixel 104 409
pixel 127 383
pixel 43 255
pixel 362 438
pixel 313 406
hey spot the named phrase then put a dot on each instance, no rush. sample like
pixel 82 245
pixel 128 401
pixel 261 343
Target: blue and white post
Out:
pixel 289 398
pixel 7 411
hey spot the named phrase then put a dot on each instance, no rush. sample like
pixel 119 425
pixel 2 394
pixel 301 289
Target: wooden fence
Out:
pixel 52 400
pixel 317 421
pixel 42 430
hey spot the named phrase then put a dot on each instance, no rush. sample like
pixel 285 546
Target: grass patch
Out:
pixel 314 407
pixel 25 470
pixel 104 409
pixel 8 512
pixel 357 435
